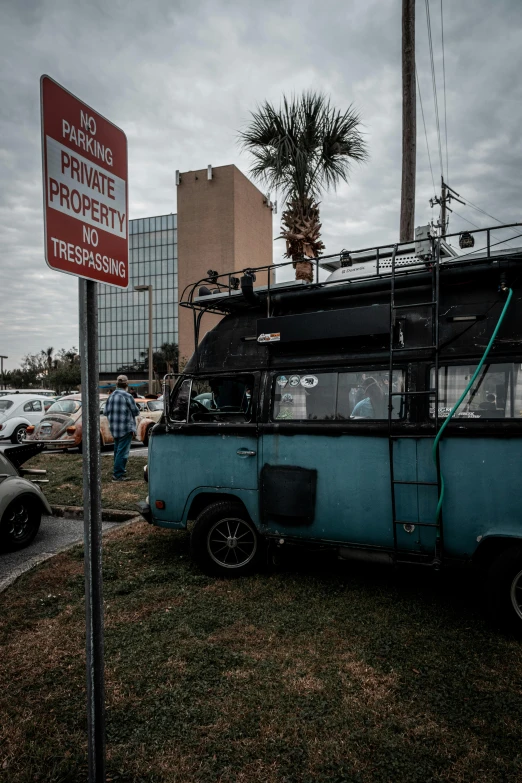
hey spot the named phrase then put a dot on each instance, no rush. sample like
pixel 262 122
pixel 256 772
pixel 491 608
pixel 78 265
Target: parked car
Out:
pixel 61 427
pixel 18 412
pixel 38 392
pixel 22 502
pixel 151 412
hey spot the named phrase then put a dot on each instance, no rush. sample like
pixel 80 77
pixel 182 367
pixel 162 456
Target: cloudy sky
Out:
pixel 180 77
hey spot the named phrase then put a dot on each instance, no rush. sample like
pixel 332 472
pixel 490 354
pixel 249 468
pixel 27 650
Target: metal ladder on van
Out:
pixel 398 351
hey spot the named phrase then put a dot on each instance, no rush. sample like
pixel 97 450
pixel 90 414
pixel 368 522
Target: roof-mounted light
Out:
pixel 345 258
pixel 466 240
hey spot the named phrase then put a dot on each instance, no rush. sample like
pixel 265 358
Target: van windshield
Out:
pixel 65 406
pixel 217 399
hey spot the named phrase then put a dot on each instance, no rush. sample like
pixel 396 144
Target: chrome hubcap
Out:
pixel 21 435
pixel 232 543
pixel 516 594
pixel 19 522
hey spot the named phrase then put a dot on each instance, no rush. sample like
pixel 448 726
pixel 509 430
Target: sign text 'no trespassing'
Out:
pixel 85 189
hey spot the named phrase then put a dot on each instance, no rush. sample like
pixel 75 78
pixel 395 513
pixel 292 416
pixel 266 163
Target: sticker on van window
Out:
pixel 287 398
pixel 282 380
pixel 294 380
pixel 272 337
pixel 309 381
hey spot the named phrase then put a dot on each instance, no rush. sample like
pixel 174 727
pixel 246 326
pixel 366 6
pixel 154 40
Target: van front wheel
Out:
pixel 504 590
pixel 224 541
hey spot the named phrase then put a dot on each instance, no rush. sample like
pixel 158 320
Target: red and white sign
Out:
pixel 85 189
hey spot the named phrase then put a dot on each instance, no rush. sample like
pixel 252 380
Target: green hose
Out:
pixel 459 402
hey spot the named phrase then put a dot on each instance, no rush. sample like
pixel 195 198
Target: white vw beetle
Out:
pixel 19 411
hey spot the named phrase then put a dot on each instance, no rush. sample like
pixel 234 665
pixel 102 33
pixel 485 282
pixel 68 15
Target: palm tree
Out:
pixel 170 354
pixel 302 149
pixel 47 356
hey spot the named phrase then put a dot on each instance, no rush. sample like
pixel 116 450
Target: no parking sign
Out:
pixel 84 159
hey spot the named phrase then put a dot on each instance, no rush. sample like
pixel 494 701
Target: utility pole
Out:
pixel 150 350
pixel 443 196
pixel 447 194
pixel 409 122
pixel 2 371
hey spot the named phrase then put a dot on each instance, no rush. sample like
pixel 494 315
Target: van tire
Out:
pixel 503 585
pixel 20 523
pixel 243 547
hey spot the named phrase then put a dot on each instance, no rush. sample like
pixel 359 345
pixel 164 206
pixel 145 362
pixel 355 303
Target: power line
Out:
pixel 444 80
pixel 434 83
pixel 474 252
pixel 483 211
pixel 463 218
pixel 424 123
pixel 475 226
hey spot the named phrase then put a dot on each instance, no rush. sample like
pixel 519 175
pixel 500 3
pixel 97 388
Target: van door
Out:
pixel 212 445
pixel 324 472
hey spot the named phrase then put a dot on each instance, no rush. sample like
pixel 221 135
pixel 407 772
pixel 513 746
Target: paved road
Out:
pixel 55 535
pixel 136 451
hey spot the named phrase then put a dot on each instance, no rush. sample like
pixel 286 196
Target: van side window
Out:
pixel 222 399
pixel 336 396
pixel 495 394
pixel 364 395
pixel 179 401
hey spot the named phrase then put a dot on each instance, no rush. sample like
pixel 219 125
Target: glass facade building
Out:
pixel 123 317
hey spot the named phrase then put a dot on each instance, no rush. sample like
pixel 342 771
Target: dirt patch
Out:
pixel 137 614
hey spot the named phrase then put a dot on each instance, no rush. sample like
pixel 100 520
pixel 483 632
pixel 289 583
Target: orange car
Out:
pixel 61 427
pixel 151 412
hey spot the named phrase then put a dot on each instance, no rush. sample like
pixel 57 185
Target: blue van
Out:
pixel 378 413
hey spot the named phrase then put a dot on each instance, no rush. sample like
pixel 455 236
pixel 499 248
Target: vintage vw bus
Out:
pixel 378 413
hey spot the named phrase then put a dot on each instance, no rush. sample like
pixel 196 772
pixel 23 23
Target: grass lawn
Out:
pixel 64 472
pixel 313 673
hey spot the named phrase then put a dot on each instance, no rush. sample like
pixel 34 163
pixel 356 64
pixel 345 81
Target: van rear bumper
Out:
pixel 145 511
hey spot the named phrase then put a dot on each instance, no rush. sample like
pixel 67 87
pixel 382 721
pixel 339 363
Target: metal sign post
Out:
pixel 88 308
pixel 86 234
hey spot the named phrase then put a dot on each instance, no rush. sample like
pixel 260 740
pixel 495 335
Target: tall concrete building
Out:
pixel 223 223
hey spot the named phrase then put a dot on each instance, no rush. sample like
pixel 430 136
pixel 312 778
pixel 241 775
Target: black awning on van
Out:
pixel 325 325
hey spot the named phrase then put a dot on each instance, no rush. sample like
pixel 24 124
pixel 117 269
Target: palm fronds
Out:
pixel 304 147
pixel 301 150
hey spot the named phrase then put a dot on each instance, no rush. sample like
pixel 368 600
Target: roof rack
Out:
pixel 232 291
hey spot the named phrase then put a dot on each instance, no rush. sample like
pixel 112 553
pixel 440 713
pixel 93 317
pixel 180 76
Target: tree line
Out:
pixel 60 370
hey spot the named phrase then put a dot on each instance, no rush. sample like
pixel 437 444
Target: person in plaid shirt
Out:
pixel 121 410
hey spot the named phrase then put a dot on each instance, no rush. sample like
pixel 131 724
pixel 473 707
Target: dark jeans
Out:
pixel 121 454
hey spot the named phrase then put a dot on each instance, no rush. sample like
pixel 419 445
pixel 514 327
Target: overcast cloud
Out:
pixel 180 79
